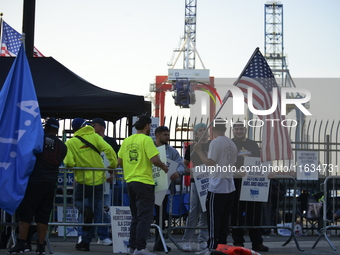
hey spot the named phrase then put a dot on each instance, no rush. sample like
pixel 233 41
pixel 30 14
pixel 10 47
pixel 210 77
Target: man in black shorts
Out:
pixel 39 196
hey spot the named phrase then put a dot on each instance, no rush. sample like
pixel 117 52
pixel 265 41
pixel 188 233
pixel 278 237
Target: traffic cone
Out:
pixel 223 249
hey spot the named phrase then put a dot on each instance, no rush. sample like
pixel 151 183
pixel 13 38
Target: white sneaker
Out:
pixel 206 251
pixel 202 246
pixel 105 241
pixel 143 252
pixel 186 247
pixel 80 238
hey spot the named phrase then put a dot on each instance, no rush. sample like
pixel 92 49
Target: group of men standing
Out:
pixel 136 156
pixel 223 200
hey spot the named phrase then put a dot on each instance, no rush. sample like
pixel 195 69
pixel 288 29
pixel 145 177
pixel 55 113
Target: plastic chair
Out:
pixel 310 210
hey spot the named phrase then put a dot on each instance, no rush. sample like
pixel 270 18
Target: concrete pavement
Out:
pixel 274 242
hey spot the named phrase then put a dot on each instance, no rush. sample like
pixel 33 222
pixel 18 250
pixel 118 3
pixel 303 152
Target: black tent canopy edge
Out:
pixel 65 95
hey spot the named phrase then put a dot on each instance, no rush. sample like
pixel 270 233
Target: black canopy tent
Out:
pixel 63 94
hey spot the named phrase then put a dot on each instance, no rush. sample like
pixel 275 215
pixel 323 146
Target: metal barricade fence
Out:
pixel 69 220
pixel 119 201
pixel 280 208
pixel 331 204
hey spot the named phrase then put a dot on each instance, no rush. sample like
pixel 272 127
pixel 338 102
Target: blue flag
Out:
pixel 21 133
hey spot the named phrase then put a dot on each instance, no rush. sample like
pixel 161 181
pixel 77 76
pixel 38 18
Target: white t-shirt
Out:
pixel 224 152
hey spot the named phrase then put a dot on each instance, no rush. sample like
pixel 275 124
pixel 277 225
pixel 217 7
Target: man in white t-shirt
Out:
pixel 220 160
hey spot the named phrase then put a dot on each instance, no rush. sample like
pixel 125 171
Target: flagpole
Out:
pixel 22 39
pixel 1 14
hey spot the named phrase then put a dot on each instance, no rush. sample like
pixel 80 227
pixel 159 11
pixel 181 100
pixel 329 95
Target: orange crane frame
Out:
pixel 162 85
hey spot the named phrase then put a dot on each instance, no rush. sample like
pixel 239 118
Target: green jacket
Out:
pixel 81 155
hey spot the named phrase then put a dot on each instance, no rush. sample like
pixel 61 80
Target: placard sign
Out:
pixel 172 167
pixel 307 165
pixel 255 184
pixel 202 184
pixel 71 216
pixel 120 225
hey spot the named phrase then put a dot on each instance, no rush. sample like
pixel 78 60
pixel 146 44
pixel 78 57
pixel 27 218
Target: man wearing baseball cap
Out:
pixel 196 216
pixel 222 154
pixel 99 126
pixel 84 150
pixel 252 210
pixel 136 155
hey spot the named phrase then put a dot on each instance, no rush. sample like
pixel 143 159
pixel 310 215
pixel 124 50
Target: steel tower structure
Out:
pixel 273 38
pixel 189 53
pixel 274 54
pixel 183 82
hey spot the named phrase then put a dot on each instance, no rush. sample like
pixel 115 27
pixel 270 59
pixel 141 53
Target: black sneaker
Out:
pixel 88 217
pixel 83 246
pixel 260 247
pixel 40 249
pixel 159 247
pixel 28 247
pixel 18 248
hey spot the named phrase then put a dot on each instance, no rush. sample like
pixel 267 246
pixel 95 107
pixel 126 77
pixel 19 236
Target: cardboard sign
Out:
pixel 159 176
pixel 202 184
pixel 255 184
pixel 159 196
pixel 71 216
pixel 120 225
pixel 308 166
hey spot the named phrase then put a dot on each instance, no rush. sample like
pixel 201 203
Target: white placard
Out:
pixel 307 165
pixel 284 231
pixel 255 184
pixel 172 167
pixel 159 176
pixel 120 225
pixel 71 216
pixel 202 183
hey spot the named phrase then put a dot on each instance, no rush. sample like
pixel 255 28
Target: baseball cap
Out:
pixel 141 121
pixel 219 123
pixel 238 124
pixel 99 121
pixel 52 122
pixel 198 126
pixel 78 123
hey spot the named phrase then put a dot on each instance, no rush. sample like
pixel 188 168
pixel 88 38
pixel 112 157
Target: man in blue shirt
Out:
pixel 162 138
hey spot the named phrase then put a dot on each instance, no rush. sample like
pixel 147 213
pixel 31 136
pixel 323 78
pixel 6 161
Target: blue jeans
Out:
pixel 91 197
pixel 195 218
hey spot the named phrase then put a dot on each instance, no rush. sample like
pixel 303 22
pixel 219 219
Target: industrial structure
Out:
pixel 274 54
pixel 184 81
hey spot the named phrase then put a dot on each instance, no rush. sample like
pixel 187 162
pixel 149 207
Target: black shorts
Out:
pixel 38 202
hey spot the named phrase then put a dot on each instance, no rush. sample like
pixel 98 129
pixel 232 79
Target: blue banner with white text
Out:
pixel 21 133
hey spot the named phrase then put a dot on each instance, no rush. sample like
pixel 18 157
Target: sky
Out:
pixel 123 45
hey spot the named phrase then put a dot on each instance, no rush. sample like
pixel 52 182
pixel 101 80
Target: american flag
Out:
pixel 275 139
pixel 11 42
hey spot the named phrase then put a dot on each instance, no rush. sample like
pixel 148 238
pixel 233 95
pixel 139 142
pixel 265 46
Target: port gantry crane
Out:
pixel 183 82
pixel 274 54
